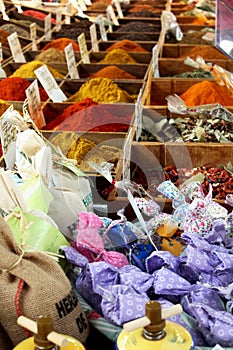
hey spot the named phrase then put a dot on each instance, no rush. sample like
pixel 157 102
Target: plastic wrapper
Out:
pixel 169 22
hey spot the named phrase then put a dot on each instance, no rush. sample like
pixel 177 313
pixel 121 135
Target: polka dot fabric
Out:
pixel 90 244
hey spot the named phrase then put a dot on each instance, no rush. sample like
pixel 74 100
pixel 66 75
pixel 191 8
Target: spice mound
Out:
pixel 135 37
pixel 85 151
pixel 11 28
pixel 206 92
pixel 74 29
pixel 13 89
pixel 128 46
pixel 60 44
pixel 27 70
pixel 69 111
pixel 96 118
pixel 112 72
pixel 3 38
pixel 102 90
pixel 194 37
pixel 38 15
pixel 51 56
pixel 143 13
pixel 206 52
pixel 118 56
pixel 137 26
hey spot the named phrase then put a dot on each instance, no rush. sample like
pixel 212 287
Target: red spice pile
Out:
pixel 127 45
pixel 60 44
pixel 38 15
pixel 112 72
pixel 97 117
pixel 13 89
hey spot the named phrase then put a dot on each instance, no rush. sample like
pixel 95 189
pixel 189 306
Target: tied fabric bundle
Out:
pixel 90 244
pixel 33 284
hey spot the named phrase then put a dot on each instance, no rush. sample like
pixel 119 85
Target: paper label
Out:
pixel 138 115
pixel 49 84
pixel 69 12
pixel 3 10
pixel 112 15
pixel 58 18
pixel 155 61
pixel 2 72
pixel 47 27
pixel 109 21
pixel 88 2
pixel 94 40
pixel 103 33
pixel 15 47
pixel 82 5
pixel 127 155
pixel 118 8
pixel 8 133
pixel 83 48
pixel 34 104
pixel 71 63
pixel 33 35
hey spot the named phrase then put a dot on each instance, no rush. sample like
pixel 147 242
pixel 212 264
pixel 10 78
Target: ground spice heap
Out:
pixel 38 15
pixel 85 151
pixel 206 92
pixel 11 28
pixel 69 111
pixel 135 37
pixel 137 26
pixel 3 38
pixel 139 7
pixel 112 72
pixel 192 37
pixel 118 56
pixel 27 70
pixel 51 55
pixel 74 29
pixel 206 52
pixel 13 89
pixel 60 44
pixel 102 90
pixel 143 13
pixel 127 45
pixel 96 118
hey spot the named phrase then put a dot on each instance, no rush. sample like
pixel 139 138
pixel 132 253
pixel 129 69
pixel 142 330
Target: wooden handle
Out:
pixel 55 338
pixel 145 321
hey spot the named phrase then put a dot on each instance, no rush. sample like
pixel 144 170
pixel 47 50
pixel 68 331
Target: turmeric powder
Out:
pixel 27 70
pixel 102 90
pixel 118 56
pixel 206 92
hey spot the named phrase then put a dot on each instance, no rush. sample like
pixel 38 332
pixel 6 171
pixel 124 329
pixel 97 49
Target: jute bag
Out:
pixel 34 284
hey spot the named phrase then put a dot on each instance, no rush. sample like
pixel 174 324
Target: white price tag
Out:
pixel 2 72
pixel 118 8
pixel 103 33
pixel 49 84
pixel 34 104
pixel 15 47
pixel 112 15
pixel 109 21
pixel 82 5
pixel 127 155
pixel 138 115
pixel 33 35
pixel 47 27
pixel 58 18
pixel 94 40
pixel 3 10
pixel 83 48
pixel 88 2
pixel 71 63
pixel 155 61
pixel 69 12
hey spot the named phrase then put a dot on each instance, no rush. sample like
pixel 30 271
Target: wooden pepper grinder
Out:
pixel 44 336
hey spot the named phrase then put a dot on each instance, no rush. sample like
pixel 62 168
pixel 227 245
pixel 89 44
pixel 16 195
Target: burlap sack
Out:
pixel 5 342
pixel 33 284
